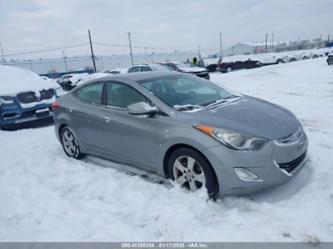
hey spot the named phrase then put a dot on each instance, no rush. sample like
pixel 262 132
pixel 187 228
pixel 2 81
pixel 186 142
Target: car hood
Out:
pixel 247 115
pixel 17 80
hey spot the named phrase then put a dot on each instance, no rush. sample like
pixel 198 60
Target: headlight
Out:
pixel 233 140
pixel 6 100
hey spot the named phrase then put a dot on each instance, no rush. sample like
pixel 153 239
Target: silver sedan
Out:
pixel 185 128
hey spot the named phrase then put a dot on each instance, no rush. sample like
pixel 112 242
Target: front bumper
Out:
pixel 267 164
pixel 16 116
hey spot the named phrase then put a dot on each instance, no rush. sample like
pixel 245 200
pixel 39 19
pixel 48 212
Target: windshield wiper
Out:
pixel 213 103
pixel 188 107
pixel 218 101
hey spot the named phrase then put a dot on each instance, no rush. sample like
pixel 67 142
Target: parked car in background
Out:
pixel 189 68
pixel 26 97
pixel 148 67
pixel 226 67
pixel 330 59
pixel 185 128
pixel 70 81
pixel 111 71
pixel 211 67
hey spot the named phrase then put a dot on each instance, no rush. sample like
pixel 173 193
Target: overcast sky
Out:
pixel 169 24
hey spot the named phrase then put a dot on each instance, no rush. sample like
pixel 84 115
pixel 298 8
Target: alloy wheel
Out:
pixel 188 173
pixel 70 144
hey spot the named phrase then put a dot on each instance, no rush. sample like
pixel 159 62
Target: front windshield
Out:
pixel 185 90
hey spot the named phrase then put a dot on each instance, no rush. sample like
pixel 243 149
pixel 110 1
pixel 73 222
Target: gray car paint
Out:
pixel 143 142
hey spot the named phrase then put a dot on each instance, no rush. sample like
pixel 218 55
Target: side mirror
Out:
pixel 142 108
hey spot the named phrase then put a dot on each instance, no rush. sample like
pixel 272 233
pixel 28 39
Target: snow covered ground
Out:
pixel 45 196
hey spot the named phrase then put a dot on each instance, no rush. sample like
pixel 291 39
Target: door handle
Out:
pixel 107 119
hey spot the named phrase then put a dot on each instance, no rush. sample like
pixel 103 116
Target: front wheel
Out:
pixel 70 143
pixel 192 171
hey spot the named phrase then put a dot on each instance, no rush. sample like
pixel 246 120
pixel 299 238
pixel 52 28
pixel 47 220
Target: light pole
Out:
pixel 92 51
pixel 130 47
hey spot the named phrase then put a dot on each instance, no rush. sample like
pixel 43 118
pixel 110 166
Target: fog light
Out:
pixel 246 175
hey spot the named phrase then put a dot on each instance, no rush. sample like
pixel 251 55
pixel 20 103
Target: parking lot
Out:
pixel 46 196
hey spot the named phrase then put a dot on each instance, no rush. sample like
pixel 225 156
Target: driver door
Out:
pixel 130 139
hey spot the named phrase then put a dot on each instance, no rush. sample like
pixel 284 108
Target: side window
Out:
pixel 134 69
pixel 121 95
pixel 91 93
pixel 145 69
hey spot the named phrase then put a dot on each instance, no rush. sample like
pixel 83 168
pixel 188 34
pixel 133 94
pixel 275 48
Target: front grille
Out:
pixel 27 97
pixel 30 97
pixel 290 166
pixel 46 94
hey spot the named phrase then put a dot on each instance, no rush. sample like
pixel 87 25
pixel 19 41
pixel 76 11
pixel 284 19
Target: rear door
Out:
pixel 87 117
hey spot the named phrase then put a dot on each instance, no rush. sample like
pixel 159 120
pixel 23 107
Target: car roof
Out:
pixel 136 76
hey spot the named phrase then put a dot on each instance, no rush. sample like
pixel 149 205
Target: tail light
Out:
pixel 55 105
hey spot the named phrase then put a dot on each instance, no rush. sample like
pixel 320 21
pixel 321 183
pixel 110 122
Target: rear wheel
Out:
pixel 70 143
pixel 192 171
pixel 229 69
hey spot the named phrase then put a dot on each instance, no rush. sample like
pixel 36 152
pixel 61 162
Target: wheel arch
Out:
pixel 62 126
pixel 173 148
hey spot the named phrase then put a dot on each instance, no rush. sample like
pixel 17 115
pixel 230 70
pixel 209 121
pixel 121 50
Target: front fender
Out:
pixel 187 136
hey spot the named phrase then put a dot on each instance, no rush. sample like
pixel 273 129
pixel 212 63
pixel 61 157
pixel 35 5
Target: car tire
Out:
pixel 292 59
pixel 191 170
pixel 229 69
pixel 69 143
pixel 279 61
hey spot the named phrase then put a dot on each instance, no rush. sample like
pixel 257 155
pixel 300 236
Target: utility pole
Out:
pixel 102 61
pixel 220 45
pixel 64 58
pixel 130 47
pixel 146 58
pixel 273 45
pixel 92 51
pixel 266 43
pixel 199 52
pixel 152 57
pixel 31 66
pixel 2 54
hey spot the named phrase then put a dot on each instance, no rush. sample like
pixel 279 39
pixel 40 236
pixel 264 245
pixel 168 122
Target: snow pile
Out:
pixel 45 196
pixel 15 80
